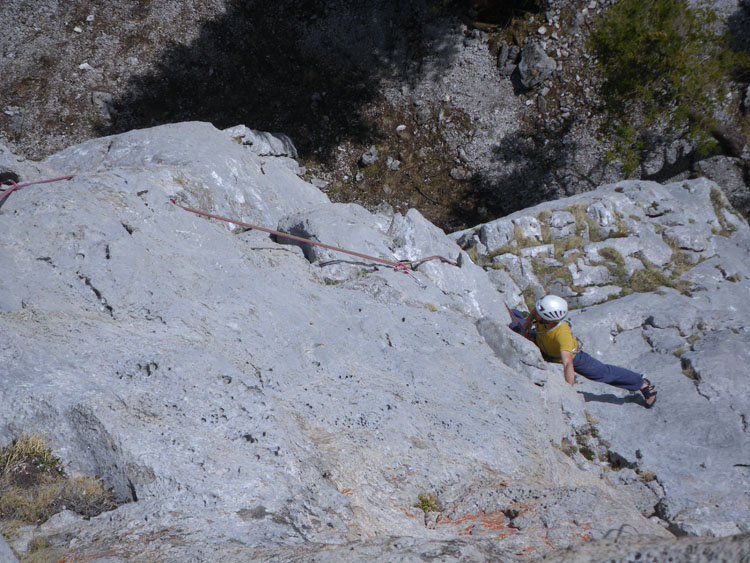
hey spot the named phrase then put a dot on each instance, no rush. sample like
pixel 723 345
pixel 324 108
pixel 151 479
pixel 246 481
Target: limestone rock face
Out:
pixel 661 281
pixel 251 399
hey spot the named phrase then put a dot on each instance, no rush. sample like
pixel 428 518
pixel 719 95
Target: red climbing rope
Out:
pixel 400 266
pixel 5 193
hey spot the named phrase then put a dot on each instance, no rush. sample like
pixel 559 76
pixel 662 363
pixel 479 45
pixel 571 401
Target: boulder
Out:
pixel 562 224
pixel 263 143
pixel 535 66
pixel 369 157
pixel 507 58
pixel 732 175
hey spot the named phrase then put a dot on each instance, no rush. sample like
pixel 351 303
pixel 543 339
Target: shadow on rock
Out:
pixel 739 28
pixel 305 68
pixel 537 159
pixel 609 398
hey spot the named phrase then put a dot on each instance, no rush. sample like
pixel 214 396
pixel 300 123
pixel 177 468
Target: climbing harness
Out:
pixel 405 266
pixel 13 186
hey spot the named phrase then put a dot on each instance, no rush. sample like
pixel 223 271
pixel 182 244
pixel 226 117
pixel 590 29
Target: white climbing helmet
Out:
pixel 552 308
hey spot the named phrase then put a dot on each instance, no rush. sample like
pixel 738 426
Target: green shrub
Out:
pixel 428 503
pixel 587 452
pixel 661 64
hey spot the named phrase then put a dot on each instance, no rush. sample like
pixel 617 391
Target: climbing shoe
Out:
pixel 649 393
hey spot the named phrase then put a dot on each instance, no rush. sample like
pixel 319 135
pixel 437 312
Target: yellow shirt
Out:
pixel 551 342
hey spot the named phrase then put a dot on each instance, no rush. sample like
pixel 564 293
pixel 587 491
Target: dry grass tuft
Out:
pixel 33 486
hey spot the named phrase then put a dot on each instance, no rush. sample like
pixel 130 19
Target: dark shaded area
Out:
pixel 683 162
pixel 530 168
pixel 499 12
pixel 6 175
pixel 316 71
pixel 306 68
pixel 739 28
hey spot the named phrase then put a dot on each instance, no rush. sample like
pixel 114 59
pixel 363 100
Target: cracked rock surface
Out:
pixel 660 279
pixel 253 399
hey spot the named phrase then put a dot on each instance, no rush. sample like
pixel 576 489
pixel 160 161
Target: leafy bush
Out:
pixel 663 66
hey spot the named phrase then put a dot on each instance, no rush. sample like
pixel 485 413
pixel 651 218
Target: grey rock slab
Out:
pixel 6 553
pixel 583 274
pixel 665 340
pixel 718 360
pixel 251 408
pixel 728 265
pixel 692 238
pixel 213 376
pixel 528 228
pixel 347 226
pixel 263 143
pixel 604 213
pixel 595 294
pixel 496 234
pixel 540 251
pixel 561 224
pixel 502 281
pixel 535 65
pixel 730 174
pixel 707 275
pixel 200 166
pixel 468 286
pixel 516 351
pixel 692 438
pixel 651 246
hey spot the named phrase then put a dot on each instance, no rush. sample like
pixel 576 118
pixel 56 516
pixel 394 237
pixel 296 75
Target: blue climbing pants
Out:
pixel 593 369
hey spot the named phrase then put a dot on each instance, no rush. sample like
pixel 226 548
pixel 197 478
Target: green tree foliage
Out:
pixel 663 64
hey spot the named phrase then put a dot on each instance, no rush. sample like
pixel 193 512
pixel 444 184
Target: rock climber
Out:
pixel 552 334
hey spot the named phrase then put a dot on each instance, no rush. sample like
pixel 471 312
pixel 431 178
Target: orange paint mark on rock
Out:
pixel 405 511
pixel 586 534
pixel 488 522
